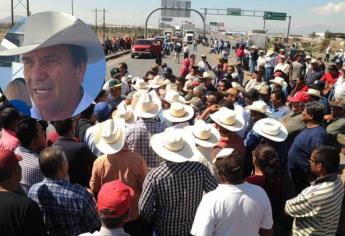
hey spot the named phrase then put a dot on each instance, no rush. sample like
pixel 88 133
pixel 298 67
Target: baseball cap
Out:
pixel 113 83
pixel 114 71
pixel 300 96
pixel 102 110
pixel 114 199
pixel 8 159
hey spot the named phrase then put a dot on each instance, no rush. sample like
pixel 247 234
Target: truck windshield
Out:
pixel 142 42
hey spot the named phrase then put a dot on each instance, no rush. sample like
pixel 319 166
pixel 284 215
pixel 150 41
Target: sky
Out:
pixel 306 15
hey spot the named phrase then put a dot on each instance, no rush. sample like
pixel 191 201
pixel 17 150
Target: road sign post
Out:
pixel 269 15
pixel 234 11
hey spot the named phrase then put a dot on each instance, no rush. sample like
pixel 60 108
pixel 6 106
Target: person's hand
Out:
pixel 328 117
pixel 213 108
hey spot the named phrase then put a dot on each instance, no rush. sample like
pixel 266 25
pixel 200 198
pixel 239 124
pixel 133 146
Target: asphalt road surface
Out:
pixel 139 66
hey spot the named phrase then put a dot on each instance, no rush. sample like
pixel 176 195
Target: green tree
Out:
pixel 328 34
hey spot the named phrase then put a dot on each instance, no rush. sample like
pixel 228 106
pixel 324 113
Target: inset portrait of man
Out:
pixel 56 53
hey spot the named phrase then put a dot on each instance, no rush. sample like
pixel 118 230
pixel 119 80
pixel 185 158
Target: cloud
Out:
pixel 330 8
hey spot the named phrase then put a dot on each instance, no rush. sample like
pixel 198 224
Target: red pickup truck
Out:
pixel 146 47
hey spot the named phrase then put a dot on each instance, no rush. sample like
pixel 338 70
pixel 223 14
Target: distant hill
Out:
pixel 7 19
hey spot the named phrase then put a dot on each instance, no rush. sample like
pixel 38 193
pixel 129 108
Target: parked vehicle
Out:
pixel 146 47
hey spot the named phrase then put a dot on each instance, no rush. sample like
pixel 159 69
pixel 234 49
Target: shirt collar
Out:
pixel 114 231
pixel 327 178
pixel 85 101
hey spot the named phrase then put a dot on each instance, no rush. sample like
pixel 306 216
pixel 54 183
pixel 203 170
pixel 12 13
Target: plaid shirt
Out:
pixel 31 172
pixel 138 139
pixel 171 195
pixel 68 208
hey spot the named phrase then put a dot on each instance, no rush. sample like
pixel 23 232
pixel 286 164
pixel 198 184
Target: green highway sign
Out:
pixel 268 15
pixel 234 11
pixel 214 23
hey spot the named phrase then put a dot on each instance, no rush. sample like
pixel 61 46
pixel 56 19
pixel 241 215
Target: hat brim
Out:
pixel 77 33
pixel 155 86
pixel 282 136
pixel 211 142
pixel 187 116
pixel 274 82
pixel 149 114
pixel 252 108
pixel 187 153
pixel 237 126
pixel 109 148
pixel 146 89
pixel 314 94
pixel 130 121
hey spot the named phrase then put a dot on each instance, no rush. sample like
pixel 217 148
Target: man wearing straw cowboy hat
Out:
pixel 172 191
pixel 138 134
pixel 56 51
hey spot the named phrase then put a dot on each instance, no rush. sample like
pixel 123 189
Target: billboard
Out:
pixel 182 8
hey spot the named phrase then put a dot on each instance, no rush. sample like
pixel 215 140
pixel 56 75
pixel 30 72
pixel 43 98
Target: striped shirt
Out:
pixel 171 195
pixel 31 172
pixel 317 208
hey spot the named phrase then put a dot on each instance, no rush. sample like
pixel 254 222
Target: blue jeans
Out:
pixel 268 73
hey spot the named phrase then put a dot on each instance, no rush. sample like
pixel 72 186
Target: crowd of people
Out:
pixel 117 44
pixel 203 151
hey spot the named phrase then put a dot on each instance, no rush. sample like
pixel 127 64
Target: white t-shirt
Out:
pixel 339 89
pixel 239 210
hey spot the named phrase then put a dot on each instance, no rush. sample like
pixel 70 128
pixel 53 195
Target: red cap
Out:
pixel 299 97
pixel 114 199
pixel 8 159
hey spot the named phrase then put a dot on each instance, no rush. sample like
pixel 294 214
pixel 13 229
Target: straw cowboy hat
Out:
pixel 173 96
pixel 228 119
pixel 314 92
pixel 279 81
pixel 271 129
pixel 209 74
pixel 124 112
pixel 259 106
pixel 141 85
pixel 110 136
pixel 47 29
pixel 170 86
pixel 205 135
pixel 223 153
pixel 156 82
pixel 238 87
pixel 178 112
pixel 148 105
pixel 173 145
pixel 270 52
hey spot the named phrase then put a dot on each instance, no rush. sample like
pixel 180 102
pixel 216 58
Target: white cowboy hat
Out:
pixel 187 84
pixel 259 106
pixel 173 96
pixel 314 92
pixel 156 82
pixel 223 153
pixel 271 129
pixel 270 52
pixel 178 112
pixel 47 29
pixel 124 112
pixel 228 119
pixel 141 85
pixel 238 87
pixel 110 136
pixel 173 145
pixel 279 80
pixel 148 105
pixel 170 86
pixel 209 74
pixel 205 135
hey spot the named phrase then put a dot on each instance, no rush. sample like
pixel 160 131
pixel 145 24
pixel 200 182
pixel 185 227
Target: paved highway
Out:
pixel 139 66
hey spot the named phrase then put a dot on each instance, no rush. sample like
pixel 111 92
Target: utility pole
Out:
pixel 14 6
pixel 27 8
pixel 72 8
pixel 12 14
pixel 288 32
pixel 97 20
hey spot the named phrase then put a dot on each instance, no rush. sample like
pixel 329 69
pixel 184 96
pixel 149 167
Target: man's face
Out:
pixel 336 111
pixel 115 92
pixel 221 86
pixel 306 116
pixel 256 116
pixel 41 137
pixel 315 167
pixel 275 102
pixel 122 69
pixel 52 78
